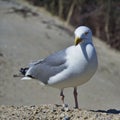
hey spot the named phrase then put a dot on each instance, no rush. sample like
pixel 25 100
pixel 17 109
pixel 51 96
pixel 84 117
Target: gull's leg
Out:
pixel 75 97
pixel 62 96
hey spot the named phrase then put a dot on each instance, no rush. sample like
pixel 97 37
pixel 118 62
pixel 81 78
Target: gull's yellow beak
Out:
pixel 77 41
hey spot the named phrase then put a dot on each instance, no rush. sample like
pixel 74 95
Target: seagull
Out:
pixel 70 67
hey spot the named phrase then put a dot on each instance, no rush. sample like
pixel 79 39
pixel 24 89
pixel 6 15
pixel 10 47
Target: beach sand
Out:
pixel 53 112
pixel 24 39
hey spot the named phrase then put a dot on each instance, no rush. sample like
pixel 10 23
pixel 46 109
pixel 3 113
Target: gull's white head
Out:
pixel 83 34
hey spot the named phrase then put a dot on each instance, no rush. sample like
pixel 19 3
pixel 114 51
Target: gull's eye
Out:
pixel 86 33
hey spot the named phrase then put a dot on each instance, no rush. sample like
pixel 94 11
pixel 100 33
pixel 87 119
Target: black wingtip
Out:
pixel 23 70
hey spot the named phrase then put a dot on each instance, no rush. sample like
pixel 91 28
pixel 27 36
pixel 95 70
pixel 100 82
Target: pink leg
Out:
pixel 62 96
pixel 75 97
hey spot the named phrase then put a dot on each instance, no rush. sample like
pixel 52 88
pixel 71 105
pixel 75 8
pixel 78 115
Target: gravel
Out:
pixel 52 112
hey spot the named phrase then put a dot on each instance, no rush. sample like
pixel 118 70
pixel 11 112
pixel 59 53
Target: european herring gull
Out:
pixel 70 67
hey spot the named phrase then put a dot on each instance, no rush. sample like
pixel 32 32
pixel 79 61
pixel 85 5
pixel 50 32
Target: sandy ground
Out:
pixel 53 112
pixel 25 39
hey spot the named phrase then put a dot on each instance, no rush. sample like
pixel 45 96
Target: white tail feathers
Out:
pixel 41 83
pixel 26 78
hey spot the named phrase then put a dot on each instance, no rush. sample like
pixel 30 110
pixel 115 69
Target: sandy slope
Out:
pixel 23 40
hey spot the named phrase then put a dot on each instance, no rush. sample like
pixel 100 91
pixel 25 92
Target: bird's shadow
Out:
pixel 110 111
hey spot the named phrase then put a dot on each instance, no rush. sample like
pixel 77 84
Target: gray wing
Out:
pixel 48 67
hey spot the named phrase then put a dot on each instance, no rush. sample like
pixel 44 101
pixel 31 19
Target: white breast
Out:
pixel 82 64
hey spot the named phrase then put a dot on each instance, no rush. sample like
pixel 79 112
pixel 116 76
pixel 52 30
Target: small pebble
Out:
pixel 1 54
pixel 67 118
pixel 65 108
